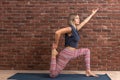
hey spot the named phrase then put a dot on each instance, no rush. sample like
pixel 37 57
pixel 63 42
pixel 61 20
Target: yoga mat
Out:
pixel 45 76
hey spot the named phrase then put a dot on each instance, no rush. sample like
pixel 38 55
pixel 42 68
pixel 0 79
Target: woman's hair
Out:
pixel 71 19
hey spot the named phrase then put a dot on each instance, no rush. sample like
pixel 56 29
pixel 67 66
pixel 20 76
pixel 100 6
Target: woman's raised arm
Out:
pixel 87 19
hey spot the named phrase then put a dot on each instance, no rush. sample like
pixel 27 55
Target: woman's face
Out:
pixel 77 20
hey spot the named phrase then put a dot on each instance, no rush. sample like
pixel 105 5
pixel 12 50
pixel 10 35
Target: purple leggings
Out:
pixel 59 63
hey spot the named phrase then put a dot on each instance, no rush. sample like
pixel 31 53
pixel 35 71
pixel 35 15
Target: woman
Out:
pixel 71 44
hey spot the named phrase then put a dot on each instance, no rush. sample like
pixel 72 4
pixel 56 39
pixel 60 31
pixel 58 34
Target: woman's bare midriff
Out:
pixel 71 48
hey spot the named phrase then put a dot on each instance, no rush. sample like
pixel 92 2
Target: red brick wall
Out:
pixel 27 31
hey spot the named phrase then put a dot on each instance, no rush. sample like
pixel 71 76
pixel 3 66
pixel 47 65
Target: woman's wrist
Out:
pixel 54 48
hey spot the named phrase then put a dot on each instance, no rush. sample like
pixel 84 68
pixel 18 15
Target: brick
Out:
pixel 27 31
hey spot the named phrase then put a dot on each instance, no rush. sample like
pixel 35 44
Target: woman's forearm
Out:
pixel 58 33
pixel 87 19
pixel 57 37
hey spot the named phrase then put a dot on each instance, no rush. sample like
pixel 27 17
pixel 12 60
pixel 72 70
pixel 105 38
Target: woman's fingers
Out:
pixel 97 9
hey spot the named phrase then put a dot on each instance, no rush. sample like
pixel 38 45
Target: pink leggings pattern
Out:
pixel 59 63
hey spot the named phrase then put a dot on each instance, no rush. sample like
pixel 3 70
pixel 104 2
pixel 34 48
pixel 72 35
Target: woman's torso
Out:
pixel 72 38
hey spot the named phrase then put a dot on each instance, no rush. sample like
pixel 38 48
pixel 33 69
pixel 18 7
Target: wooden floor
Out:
pixel 4 74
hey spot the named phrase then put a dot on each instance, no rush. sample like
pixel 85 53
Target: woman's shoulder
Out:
pixel 68 28
pixel 64 30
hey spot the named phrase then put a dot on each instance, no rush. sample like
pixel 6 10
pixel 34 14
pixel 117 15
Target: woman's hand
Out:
pixel 54 51
pixel 54 46
pixel 95 10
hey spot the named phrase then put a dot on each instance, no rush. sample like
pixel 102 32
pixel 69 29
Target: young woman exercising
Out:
pixel 71 43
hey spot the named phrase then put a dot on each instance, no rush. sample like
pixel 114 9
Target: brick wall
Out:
pixel 27 31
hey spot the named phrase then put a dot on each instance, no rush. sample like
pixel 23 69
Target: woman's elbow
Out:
pixel 57 33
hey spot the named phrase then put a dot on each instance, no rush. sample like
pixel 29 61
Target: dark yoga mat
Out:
pixel 45 76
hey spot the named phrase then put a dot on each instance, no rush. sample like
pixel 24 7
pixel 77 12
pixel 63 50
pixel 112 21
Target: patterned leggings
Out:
pixel 59 63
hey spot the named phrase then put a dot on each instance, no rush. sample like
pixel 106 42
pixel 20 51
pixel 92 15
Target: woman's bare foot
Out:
pixel 54 52
pixel 89 73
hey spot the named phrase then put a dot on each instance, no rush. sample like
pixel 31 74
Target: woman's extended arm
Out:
pixel 58 33
pixel 87 19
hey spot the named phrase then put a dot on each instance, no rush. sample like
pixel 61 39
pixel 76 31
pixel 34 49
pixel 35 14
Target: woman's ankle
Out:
pixel 88 70
pixel 53 56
